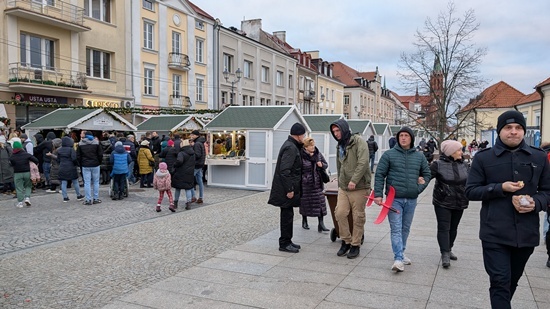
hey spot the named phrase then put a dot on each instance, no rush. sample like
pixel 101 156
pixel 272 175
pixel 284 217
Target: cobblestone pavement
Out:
pixel 67 255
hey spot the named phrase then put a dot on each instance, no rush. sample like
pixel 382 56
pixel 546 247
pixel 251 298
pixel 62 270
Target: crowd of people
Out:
pixel 75 160
pixel 511 179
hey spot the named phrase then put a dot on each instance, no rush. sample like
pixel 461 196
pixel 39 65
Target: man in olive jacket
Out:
pixel 354 178
pixel 408 172
pixel 512 181
pixel 286 188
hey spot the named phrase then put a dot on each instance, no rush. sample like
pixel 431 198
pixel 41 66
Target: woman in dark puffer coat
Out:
pixel 183 173
pixel 312 203
pixel 66 157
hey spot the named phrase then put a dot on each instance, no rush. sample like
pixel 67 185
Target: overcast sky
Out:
pixel 365 34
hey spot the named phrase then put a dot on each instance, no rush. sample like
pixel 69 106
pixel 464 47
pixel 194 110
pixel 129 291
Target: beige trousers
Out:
pixel 353 201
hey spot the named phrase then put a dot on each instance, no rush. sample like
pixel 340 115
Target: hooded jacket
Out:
pixel 20 161
pixel 200 153
pixel 401 168
pixel 450 183
pixel 162 180
pixel 352 160
pixel 89 153
pixel 44 147
pixel 183 176
pixel 66 157
pixel 120 159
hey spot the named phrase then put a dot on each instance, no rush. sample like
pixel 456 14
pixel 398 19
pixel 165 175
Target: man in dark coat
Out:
pixel 512 180
pixel 373 148
pixel 42 149
pixel 286 188
pixel 200 159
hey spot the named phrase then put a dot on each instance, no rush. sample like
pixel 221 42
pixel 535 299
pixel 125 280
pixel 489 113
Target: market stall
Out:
pixel 166 124
pixel 320 131
pixel 253 136
pixel 382 136
pixel 361 126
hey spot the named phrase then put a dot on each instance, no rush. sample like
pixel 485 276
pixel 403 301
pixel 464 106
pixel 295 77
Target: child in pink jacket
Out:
pixel 163 183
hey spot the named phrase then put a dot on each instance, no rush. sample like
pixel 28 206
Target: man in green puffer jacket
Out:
pixel 409 173
pixel 354 177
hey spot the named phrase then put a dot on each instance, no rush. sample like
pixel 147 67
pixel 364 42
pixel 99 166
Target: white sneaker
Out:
pixel 406 260
pixel 51 191
pixel 27 201
pixel 19 205
pixel 398 266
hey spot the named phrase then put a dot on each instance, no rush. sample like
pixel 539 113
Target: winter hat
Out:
pixel 170 143
pixel 17 145
pixel 512 116
pixel 297 129
pixel 89 137
pixel 196 132
pixel 163 166
pixel 119 143
pixel 23 135
pixel 145 143
pixel 449 147
pixel 2 139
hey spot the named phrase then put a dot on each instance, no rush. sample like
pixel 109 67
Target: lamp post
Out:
pixel 235 78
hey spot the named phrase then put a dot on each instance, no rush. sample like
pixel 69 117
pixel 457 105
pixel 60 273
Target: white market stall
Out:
pixel 166 124
pixel 320 131
pixel 257 135
pixel 361 126
pixel 382 136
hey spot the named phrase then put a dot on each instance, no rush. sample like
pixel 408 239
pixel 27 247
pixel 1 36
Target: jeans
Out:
pixel 188 195
pixel 371 159
pixel 400 225
pixel 76 187
pixel 47 167
pixel 504 265
pixel 287 218
pixel 132 176
pixel 198 179
pixel 447 226
pixel 545 225
pixel 91 178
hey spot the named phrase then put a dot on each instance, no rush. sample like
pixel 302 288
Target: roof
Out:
pixel 380 128
pixel 347 75
pixel 200 11
pixel 250 117
pixel 321 123
pixel 544 83
pixel 394 129
pixel 499 95
pixel 70 118
pixel 530 98
pixel 358 126
pixel 166 122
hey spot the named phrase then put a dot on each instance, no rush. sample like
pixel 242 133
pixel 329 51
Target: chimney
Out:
pixel 281 35
pixel 252 28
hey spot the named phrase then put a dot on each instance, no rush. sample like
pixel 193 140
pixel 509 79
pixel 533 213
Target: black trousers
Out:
pixel 119 182
pixel 146 179
pixel 287 219
pixel 504 265
pixel 447 226
pixel 548 243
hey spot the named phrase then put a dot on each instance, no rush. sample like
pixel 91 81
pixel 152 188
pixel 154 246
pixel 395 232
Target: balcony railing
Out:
pixel 49 11
pixel 179 101
pixel 25 73
pixel 178 61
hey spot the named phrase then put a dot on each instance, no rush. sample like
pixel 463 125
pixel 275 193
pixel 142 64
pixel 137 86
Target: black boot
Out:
pixel 304 223
pixel 175 204
pixel 445 259
pixel 322 227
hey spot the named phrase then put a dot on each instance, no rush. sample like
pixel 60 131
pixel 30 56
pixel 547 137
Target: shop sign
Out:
pixel 36 98
pixel 103 121
pixel 101 103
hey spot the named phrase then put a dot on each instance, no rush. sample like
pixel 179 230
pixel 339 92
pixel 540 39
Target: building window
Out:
pixel 148 5
pixel 200 88
pixel 228 62
pixel 37 52
pixel 247 73
pixel 346 99
pixel 251 101
pixel 268 102
pixel 148 75
pixel 290 82
pixel 98 9
pixel 245 100
pixel 98 63
pixel 176 85
pixel 199 24
pixel 262 101
pixel 302 83
pixel 279 78
pixel 176 42
pixel 332 95
pixel 199 50
pixel 224 97
pixel 265 74
pixel 148 29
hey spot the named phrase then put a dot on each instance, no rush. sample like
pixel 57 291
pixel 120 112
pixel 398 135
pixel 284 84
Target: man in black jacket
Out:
pixel 90 155
pixel 200 159
pixel 286 188
pixel 42 149
pixel 512 180
pixel 373 148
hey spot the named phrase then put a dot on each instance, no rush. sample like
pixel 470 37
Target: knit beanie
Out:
pixel 163 166
pixel 196 132
pixel 512 116
pixel 449 147
pixel 297 129
pixel 119 143
pixel 17 145
pixel 170 143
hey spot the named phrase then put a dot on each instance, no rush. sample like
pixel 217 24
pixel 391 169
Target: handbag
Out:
pixel 151 163
pixel 324 176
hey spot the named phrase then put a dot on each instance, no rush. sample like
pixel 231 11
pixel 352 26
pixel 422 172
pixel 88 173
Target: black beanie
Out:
pixel 297 129
pixel 510 117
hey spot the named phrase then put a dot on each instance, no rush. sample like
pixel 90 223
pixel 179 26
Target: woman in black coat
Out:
pixel 312 203
pixel 66 157
pixel 183 174
pixel 449 196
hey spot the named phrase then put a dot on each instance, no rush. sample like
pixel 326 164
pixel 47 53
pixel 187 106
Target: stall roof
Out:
pixel 252 117
pixel 358 126
pixel 166 122
pixel 70 118
pixel 321 123
pixel 395 129
pixel 380 128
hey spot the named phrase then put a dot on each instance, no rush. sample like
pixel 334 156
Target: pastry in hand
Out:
pixel 521 184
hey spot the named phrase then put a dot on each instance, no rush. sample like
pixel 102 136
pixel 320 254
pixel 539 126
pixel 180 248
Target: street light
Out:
pixel 235 79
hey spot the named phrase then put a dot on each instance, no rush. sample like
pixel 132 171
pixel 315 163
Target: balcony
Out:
pixel 178 61
pixel 24 77
pixel 309 95
pixel 52 12
pixel 179 101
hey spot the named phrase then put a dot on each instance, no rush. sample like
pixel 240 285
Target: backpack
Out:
pixel 35 173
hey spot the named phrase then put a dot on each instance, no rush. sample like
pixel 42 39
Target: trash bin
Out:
pixel 331 192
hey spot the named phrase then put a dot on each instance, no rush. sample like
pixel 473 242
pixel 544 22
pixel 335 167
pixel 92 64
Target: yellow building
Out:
pixel 59 53
pixel 331 90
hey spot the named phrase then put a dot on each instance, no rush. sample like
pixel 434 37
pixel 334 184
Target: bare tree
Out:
pixel 445 66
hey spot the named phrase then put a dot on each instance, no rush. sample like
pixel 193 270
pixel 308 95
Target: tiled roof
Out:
pixel 346 74
pixel 200 11
pixel 406 100
pixel 60 118
pixel 499 95
pixel 358 126
pixel 162 122
pixel 533 97
pixel 249 117
pixel 320 123
pixel 544 82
